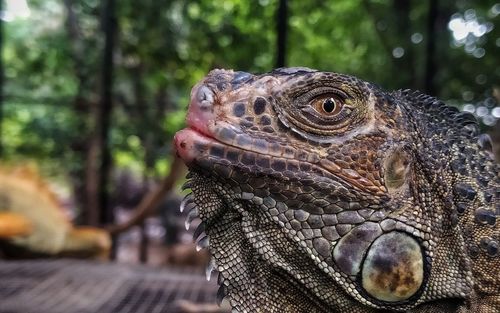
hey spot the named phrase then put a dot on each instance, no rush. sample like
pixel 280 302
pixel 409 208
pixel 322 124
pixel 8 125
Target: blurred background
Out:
pixel 93 91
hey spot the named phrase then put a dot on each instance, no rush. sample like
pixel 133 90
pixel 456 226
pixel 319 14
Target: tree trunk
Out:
pixel 281 30
pixel 1 80
pixel 143 244
pixel 92 173
pixel 430 64
pixel 104 113
pixel 82 105
pixel 406 63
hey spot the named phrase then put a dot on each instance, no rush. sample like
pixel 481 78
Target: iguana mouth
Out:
pixel 225 145
pixel 210 140
pixel 208 135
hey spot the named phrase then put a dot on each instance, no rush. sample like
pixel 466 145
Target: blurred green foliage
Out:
pixel 53 61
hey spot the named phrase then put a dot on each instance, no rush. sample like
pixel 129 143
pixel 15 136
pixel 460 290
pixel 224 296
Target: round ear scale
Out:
pixel 393 270
pixel 396 168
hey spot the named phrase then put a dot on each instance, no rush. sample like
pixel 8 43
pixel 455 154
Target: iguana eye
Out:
pixel 328 105
pixel 320 108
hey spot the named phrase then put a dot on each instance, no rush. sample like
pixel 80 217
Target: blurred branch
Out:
pixel 120 99
pixel 23 100
pixel 151 201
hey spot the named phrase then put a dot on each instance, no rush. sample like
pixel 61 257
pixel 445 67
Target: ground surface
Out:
pixel 85 287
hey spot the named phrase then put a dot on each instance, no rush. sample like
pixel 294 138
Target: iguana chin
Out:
pixel 320 192
pixel 32 222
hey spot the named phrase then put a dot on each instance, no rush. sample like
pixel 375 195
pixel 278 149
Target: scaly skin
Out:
pixel 320 192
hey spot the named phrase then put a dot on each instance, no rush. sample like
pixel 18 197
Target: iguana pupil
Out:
pixel 329 105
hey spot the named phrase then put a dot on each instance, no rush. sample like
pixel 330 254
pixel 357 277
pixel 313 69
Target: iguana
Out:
pixel 320 192
pixel 32 222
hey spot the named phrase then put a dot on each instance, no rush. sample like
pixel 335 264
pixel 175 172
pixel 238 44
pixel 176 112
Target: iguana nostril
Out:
pixel 204 97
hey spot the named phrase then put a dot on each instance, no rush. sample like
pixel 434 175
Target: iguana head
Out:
pixel 318 193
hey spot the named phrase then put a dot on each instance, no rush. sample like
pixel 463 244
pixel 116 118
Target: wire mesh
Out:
pixel 62 286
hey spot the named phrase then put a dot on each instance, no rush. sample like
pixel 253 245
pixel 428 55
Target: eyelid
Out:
pixel 321 99
pixel 320 92
pixel 313 112
pixel 307 98
pixel 336 94
pixel 306 102
pixel 338 100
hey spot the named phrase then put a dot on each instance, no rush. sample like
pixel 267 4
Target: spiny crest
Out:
pixel 449 118
pixel 200 237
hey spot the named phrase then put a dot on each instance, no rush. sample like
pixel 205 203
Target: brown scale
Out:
pixel 361 156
